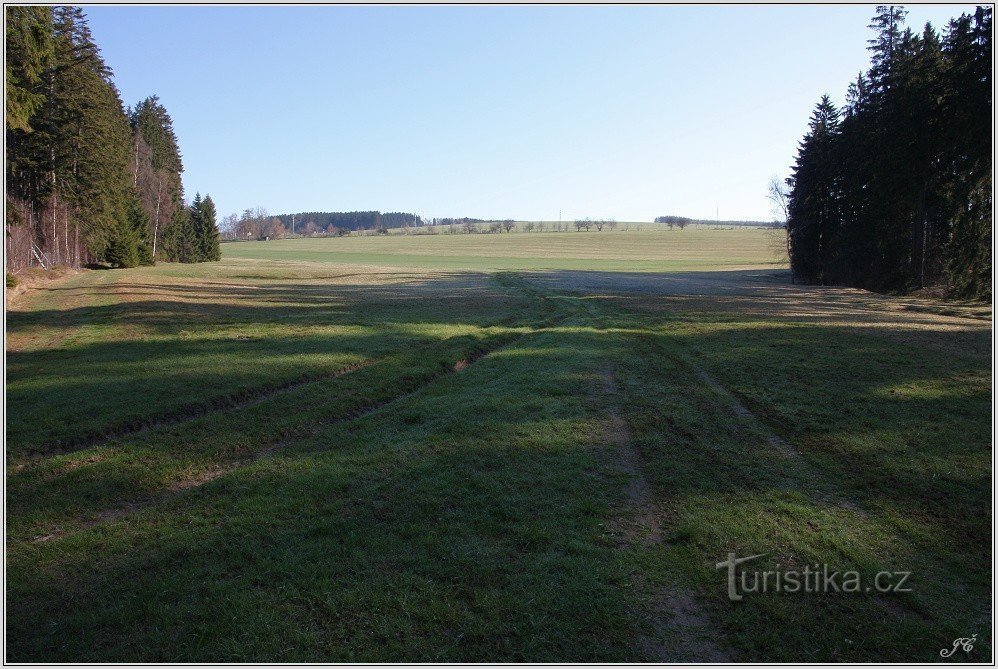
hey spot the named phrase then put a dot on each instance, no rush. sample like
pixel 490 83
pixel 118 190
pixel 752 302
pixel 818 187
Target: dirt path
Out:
pixel 643 526
pixel 681 631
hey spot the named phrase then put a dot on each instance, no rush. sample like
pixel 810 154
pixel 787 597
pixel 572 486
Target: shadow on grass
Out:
pixel 150 357
pixel 468 522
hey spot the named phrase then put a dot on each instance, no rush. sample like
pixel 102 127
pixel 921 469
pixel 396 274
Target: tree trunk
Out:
pixel 155 229
pixel 918 241
pixel 55 208
pixel 65 235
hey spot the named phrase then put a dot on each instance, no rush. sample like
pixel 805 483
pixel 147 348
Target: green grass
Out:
pixel 651 250
pixel 158 337
pixel 882 479
pixel 465 494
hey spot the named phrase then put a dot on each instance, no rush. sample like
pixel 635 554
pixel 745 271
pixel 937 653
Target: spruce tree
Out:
pixel 156 170
pixel 898 195
pixel 813 220
pixel 87 137
pixel 208 237
pixel 29 44
pixel 139 223
pixel 196 224
pixel 28 36
pixel 181 237
pixel 967 107
pixel 85 181
pixel 887 22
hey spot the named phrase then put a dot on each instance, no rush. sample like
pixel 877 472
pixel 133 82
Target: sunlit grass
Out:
pixel 455 498
pixel 652 249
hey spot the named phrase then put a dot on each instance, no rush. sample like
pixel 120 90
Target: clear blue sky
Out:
pixel 629 112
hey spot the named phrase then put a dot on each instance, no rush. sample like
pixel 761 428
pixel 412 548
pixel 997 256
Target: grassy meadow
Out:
pixel 524 447
pixel 653 248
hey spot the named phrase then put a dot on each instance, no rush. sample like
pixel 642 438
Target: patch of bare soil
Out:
pixel 681 631
pixel 643 525
pixel 690 629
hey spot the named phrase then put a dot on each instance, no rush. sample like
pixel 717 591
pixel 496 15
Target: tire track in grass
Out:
pixel 466 354
pixel 681 631
pixel 363 411
pixel 471 355
pixel 746 415
pixel 644 526
pixel 506 280
pixel 251 396
pixel 185 486
pixel 804 469
pixel 238 400
pixel 834 498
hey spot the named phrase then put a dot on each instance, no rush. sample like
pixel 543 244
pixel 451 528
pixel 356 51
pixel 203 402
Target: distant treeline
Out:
pixel 338 222
pixel 331 221
pixel 469 221
pixel 258 224
pixel 682 221
pixel 87 180
pixel 893 192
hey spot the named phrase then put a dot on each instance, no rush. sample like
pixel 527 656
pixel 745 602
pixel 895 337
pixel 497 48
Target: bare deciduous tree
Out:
pixel 778 193
pixel 228 226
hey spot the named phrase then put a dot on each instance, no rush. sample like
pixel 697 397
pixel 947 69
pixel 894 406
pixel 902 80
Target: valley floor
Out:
pixel 257 460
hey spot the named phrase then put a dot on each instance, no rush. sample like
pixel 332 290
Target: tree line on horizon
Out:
pixel 256 223
pixel 893 191
pixel 682 221
pixel 332 221
pixel 89 181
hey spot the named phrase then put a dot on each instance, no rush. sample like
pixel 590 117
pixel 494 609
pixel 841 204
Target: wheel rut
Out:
pixel 681 631
pixel 189 413
pixel 185 486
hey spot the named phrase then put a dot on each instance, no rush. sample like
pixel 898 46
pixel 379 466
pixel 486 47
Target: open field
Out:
pixel 654 249
pixel 319 460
